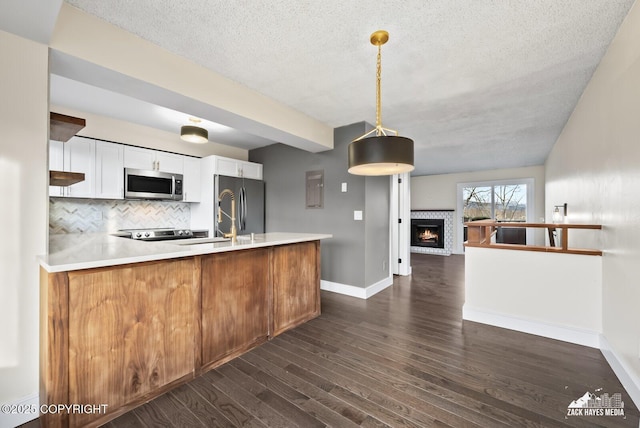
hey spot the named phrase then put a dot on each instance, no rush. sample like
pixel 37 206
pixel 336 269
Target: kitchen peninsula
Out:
pixel 123 321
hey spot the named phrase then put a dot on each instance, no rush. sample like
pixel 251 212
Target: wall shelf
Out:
pixel 63 127
pixel 64 178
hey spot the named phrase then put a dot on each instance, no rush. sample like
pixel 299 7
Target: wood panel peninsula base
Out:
pixel 122 335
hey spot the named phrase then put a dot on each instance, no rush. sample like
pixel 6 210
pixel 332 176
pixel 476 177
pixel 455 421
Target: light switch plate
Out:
pixel 357 215
pixel 344 187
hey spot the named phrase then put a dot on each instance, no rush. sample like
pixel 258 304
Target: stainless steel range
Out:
pixel 161 234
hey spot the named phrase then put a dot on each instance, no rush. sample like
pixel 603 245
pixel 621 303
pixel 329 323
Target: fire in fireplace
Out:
pixel 427 233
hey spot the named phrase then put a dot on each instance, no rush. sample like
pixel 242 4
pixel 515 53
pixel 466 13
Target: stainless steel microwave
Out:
pixel 147 184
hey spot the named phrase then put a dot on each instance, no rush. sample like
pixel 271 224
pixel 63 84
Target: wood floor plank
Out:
pixel 400 358
pixel 336 410
pixel 222 405
pixel 248 400
pixel 429 394
pixel 386 409
pixel 128 420
pixel 403 358
pixel 151 415
pixel 176 412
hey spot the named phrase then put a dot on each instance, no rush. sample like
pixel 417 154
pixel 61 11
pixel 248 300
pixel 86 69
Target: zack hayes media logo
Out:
pixel 591 405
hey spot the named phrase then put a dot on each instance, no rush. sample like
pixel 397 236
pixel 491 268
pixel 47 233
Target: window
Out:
pixel 505 200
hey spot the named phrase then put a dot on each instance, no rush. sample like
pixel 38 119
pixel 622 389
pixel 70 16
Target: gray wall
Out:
pixel 358 253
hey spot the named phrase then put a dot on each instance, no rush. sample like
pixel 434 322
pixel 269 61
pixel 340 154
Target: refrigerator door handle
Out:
pixel 243 208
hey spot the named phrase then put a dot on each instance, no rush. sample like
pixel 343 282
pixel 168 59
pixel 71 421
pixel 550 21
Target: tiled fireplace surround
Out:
pixel 447 215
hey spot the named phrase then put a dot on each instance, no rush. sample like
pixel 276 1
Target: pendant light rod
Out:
pixel 378 39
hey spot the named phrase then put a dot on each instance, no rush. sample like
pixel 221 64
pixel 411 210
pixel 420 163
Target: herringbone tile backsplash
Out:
pixel 67 215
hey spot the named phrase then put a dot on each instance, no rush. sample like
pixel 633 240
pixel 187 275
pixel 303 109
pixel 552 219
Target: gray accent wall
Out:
pixel 358 253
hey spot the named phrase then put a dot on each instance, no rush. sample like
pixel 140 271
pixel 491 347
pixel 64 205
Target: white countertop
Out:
pixel 88 250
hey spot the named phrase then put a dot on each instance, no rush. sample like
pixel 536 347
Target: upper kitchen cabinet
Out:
pixel 238 168
pixel 192 185
pixel 109 173
pixel 139 158
pixel 76 155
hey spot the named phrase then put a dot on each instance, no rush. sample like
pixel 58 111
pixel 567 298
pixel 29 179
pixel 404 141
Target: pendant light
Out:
pixel 194 134
pixel 380 154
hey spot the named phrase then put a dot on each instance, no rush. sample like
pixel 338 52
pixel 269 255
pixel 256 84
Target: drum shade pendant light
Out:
pixel 380 154
pixel 194 134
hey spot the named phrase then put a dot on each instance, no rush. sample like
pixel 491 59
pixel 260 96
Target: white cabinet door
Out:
pixel 250 170
pixel 109 170
pixel 226 166
pixel 76 155
pixel 192 184
pixel 80 156
pixel 238 168
pixel 169 162
pixel 139 158
pixel 56 163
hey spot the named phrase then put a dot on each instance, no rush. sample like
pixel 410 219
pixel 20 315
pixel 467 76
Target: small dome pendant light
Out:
pixel 194 134
pixel 381 154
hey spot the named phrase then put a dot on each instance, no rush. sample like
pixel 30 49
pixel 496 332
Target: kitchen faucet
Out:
pixel 232 233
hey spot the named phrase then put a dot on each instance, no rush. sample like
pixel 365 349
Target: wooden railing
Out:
pixel 481 232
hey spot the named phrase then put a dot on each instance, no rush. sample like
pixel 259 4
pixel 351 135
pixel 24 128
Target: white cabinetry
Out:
pixel 109 170
pixel 103 165
pixel 192 179
pixel 78 155
pixel 168 162
pixel 238 168
pixel 139 158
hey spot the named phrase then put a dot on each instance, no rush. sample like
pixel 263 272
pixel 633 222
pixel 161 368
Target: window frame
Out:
pixel 529 182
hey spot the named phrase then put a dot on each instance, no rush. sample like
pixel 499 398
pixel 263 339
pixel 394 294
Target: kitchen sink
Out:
pixel 195 241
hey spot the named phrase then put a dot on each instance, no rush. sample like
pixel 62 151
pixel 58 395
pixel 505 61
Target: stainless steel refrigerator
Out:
pixel 249 197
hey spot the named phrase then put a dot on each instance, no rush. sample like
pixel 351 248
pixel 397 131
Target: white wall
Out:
pixel 560 292
pixel 595 168
pixel 24 121
pixel 433 192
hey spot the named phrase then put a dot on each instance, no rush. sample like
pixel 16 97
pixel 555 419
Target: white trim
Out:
pixel 553 331
pixel 627 378
pixel 353 291
pixel 15 419
pixel 399 232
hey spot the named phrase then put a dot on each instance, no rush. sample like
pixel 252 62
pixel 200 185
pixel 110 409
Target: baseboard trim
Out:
pixel 627 378
pixel 15 419
pixel 353 291
pixel 553 331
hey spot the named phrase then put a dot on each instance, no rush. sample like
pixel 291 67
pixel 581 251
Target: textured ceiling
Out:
pixel 478 84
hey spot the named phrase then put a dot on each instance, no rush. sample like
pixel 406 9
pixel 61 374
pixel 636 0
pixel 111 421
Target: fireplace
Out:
pixel 427 233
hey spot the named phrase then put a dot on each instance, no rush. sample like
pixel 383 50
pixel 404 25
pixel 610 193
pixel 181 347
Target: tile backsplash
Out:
pixel 67 215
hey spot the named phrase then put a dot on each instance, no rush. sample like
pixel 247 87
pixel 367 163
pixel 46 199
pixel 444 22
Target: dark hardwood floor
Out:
pixel 403 358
